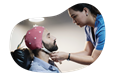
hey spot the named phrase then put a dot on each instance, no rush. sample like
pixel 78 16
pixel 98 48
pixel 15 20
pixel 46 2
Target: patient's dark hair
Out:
pixel 35 52
pixel 80 7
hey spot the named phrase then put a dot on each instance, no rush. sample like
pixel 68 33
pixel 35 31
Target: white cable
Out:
pixel 44 49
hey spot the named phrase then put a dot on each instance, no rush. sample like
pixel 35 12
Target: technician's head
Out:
pixel 81 13
pixel 38 36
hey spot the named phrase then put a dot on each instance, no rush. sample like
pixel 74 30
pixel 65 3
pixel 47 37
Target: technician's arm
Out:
pixel 85 59
pixel 62 55
pixel 88 56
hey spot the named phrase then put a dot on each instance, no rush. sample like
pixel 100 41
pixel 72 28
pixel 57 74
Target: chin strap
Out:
pixel 44 49
pixel 47 51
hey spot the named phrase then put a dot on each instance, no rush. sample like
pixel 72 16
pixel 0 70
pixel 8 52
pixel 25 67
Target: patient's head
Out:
pixel 38 36
pixel 49 41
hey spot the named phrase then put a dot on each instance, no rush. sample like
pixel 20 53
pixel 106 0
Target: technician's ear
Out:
pixel 86 10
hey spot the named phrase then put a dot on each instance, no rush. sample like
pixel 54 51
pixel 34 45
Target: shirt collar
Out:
pixel 97 19
pixel 98 16
pixel 43 63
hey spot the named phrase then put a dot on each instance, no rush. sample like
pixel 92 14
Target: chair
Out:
pixel 22 57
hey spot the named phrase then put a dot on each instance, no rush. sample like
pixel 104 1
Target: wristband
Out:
pixel 68 57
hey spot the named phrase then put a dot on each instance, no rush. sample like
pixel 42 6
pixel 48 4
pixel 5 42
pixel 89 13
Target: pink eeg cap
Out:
pixel 33 38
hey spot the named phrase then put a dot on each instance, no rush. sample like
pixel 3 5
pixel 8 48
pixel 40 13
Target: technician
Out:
pixel 86 15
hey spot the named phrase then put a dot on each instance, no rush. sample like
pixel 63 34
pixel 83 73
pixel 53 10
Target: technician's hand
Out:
pixel 59 56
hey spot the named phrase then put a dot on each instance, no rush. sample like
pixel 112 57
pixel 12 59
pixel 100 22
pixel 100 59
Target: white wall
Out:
pixel 16 36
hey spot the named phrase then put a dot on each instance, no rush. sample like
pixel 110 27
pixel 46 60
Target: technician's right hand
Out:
pixel 59 56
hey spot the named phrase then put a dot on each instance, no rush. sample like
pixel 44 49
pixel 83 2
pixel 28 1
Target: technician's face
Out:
pixel 49 41
pixel 79 18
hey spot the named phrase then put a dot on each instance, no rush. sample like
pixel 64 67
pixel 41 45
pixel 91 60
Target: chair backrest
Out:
pixel 22 57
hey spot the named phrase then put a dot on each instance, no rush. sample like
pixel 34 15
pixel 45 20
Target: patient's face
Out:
pixel 49 41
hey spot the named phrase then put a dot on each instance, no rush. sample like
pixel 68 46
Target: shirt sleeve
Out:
pixel 100 38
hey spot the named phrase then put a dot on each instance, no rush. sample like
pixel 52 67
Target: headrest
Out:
pixel 22 57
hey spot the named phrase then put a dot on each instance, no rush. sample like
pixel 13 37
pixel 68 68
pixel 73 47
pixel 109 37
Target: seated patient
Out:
pixel 35 39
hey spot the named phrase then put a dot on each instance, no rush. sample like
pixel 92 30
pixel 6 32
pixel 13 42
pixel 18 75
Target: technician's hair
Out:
pixel 81 6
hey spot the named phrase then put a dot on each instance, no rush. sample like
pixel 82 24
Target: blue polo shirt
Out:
pixel 99 32
pixel 39 65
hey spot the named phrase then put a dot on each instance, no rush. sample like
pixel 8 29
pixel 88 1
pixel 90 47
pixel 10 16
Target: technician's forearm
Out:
pixel 81 59
pixel 82 53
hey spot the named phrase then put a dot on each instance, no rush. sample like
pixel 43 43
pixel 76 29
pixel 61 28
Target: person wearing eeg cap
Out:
pixel 37 39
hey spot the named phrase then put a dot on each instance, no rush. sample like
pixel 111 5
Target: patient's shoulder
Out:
pixel 36 67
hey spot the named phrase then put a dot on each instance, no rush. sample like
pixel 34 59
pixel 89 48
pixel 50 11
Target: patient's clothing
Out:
pixel 99 33
pixel 39 65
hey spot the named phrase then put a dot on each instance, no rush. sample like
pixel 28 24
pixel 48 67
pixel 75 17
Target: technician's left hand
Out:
pixel 59 56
